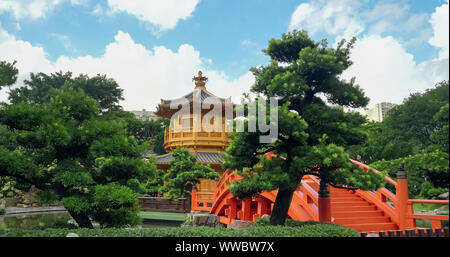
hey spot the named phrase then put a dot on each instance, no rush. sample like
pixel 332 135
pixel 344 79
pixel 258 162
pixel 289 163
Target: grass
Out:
pixel 430 207
pixel 423 223
pixel 163 216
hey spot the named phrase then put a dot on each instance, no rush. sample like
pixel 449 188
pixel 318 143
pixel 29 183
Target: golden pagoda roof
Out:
pixel 199 95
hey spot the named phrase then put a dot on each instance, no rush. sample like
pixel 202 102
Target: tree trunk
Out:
pixel 82 220
pixel 281 207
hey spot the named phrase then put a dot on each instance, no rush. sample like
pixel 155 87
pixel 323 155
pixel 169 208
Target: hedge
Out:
pixel 316 230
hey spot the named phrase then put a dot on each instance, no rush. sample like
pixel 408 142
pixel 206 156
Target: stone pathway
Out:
pixel 32 210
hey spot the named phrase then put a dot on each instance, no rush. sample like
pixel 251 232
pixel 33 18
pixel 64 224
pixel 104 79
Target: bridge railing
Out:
pixel 401 210
pixel 199 203
pixel 436 220
pixel 309 196
pixel 395 205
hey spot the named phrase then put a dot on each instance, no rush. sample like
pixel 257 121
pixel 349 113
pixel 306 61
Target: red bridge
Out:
pixel 363 211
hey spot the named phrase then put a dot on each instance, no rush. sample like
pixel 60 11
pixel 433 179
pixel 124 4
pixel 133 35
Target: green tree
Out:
pixel 413 121
pixel 416 133
pixel 184 173
pixel 380 144
pixel 428 170
pixel 408 127
pixel 37 89
pixel 312 133
pixel 105 90
pixel 8 74
pixel 65 147
pixel 149 131
pixel 440 137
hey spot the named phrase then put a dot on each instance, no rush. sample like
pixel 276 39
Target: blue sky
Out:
pixel 153 48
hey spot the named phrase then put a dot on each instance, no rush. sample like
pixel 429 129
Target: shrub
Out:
pixel 47 197
pixel 261 222
pixel 116 206
pixel 188 221
pixel 2 211
pixel 312 228
pixel 318 230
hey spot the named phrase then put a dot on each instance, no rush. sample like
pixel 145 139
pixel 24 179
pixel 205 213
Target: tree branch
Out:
pixel 342 187
pixel 331 184
pixel 267 151
pixel 28 180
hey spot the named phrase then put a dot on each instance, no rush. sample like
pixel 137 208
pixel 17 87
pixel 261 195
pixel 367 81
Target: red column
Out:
pixel 231 212
pixel 401 205
pixel 194 196
pixel 216 184
pixel 263 208
pixel 324 202
pixel 246 212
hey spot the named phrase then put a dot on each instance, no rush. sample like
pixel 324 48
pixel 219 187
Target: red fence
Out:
pixel 199 204
pixel 163 204
pixel 420 232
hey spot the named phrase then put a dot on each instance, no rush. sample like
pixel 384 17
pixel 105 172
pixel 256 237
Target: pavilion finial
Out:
pixel 200 81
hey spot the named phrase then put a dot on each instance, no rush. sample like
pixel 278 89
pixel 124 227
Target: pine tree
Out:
pixel 313 128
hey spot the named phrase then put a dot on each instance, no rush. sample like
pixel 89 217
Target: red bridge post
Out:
pixel 231 211
pixel 324 202
pixel 194 199
pixel 245 212
pixel 402 197
pixel 263 207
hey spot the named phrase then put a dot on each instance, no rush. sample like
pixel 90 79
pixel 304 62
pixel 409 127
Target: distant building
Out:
pixel 379 112
pixel 144 115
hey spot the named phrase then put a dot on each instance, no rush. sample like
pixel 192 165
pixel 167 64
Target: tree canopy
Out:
pixel 66 148
pixel 408 127
pixel 8 74
pixel 37 89
pixel 313 128
pixel 416 133
pixel 144 131
pixel 184 173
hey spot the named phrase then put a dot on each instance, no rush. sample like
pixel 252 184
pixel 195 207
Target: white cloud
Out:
pixel 162 14
pixel 33 9
pixel 387 72
pixel 146 75
pixel 64 40
pixel 98 10
pixel 30 58
pixel 80 2
pixel 383 69
pixel 382 66
pixel 28 8
pixel 440 22
pixel 349 18
pixel 386 11
pixel 336 18
pixel 247 43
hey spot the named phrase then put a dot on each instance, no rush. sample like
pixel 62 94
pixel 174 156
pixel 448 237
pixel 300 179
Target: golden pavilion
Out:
pixel 198 121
